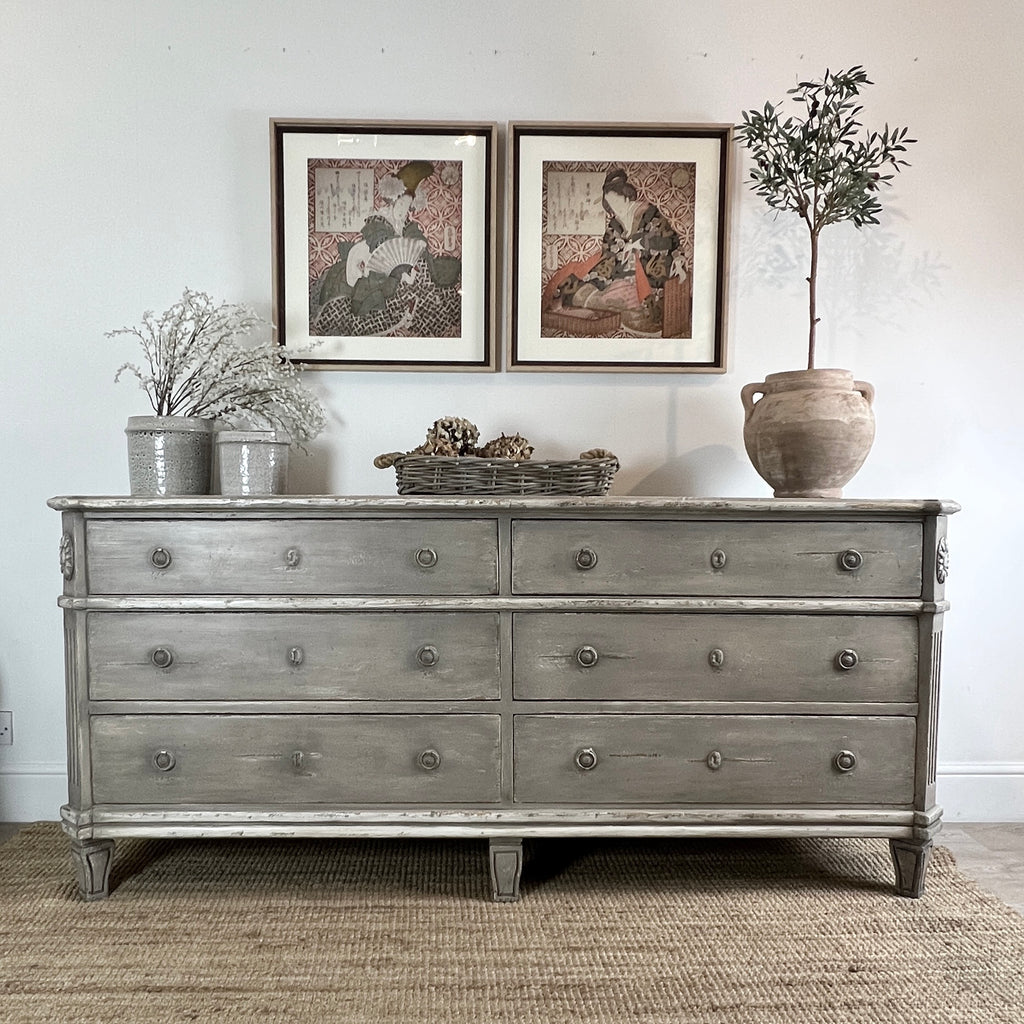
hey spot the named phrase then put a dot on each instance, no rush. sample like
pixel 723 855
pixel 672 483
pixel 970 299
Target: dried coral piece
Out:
pixel 456 432
pixel 437 446
pixel 508 446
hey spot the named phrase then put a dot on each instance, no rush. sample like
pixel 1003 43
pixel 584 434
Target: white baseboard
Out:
pixel 981 792
pixel 966 792
pixel 32 791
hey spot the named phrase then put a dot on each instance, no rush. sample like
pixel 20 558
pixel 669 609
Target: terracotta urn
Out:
pixel 809 432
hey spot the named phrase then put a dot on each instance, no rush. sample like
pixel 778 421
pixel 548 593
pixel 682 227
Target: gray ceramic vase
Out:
pixel 169 454
pixel 252 461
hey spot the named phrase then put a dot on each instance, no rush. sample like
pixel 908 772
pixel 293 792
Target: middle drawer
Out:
pixel 701 656
pixel 293 656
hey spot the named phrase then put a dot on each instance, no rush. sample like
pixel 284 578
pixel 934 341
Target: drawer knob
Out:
pixel 718 559
pixel 293 558
pixel 587 657
pixel 426 558
pixel 428 656
pixel 716 658
pixel 162 657
pixel 429 760
pixel 586 759
pixel 296 656
pixel 850 560
pixel 160 558
pixel 298 760
pixel 163 761
pixel 586 558
pixel 714 760
pixel 847 659
pixel 845 761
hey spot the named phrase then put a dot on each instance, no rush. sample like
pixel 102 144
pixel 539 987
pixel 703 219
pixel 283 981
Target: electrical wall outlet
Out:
pixel 6 728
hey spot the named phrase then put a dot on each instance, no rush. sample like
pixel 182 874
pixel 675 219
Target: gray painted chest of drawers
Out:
pixel 501 668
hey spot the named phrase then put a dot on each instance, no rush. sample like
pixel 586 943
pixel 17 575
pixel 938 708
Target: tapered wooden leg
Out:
pixel 92 859
pixel 506 869
pixel 910 859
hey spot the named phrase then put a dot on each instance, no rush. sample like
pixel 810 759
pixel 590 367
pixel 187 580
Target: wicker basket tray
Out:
pixel 590 474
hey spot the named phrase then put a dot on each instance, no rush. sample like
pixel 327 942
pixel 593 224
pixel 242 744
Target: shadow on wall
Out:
pixel 706 471
pixel 867 278
pixel 312 473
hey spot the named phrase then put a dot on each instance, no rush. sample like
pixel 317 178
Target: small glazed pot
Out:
pixel 169 454
pixel 810 431
pixel 252 461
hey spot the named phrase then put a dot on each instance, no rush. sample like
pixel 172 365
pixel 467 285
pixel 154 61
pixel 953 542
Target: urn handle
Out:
pixel 866 389
pixel 747 398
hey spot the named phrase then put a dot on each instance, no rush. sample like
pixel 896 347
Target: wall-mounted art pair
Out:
pixel 386 254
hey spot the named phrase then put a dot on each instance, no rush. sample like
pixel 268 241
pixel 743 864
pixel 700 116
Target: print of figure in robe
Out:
pixel 626 279
pixel 386 281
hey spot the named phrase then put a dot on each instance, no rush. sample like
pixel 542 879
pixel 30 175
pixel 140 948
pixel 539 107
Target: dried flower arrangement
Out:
pixel 196 364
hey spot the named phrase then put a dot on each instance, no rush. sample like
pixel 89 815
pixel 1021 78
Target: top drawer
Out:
pixel 723 559
pixel 243 556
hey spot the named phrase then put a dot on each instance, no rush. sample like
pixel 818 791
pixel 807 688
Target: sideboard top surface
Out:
pixel 324 504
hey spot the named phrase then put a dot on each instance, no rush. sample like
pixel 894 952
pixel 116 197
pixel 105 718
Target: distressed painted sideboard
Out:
pixel 501 668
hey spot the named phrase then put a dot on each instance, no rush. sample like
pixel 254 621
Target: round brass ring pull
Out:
pixel 162 657
pixel 586 558
pixel 428 656
pixel 426 558
pixel 851 560
pixel 847 659
pixel 429 760
pixel 586 759
pixel 160 558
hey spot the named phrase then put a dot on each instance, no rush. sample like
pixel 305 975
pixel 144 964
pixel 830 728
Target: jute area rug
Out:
pixel 609 931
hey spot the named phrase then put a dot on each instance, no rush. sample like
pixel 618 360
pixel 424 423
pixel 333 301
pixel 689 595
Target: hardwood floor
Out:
pixel 991 854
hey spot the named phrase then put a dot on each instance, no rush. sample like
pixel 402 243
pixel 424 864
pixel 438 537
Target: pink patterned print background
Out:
pixel 669 186
pixel 440 220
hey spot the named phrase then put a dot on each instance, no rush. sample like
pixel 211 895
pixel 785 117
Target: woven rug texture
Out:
pixel 660 931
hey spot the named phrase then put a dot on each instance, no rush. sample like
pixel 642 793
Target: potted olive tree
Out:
pixel 201 372
pixel 812 429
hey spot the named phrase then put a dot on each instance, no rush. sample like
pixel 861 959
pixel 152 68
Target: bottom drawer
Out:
pixel 752 760
pixel 295 759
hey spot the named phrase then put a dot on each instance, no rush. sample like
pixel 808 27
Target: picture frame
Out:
pixel 383 244
pixel 588 292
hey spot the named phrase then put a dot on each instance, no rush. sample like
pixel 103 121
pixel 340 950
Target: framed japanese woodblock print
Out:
pixel 618 247
pixel 383 239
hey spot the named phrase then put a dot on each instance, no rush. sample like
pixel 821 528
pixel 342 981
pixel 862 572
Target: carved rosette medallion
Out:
pixel 942 561
pixel 67 556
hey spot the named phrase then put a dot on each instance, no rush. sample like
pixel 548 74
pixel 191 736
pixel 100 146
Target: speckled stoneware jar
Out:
pixel 252 461
pixel 810 432
pixel 169 454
